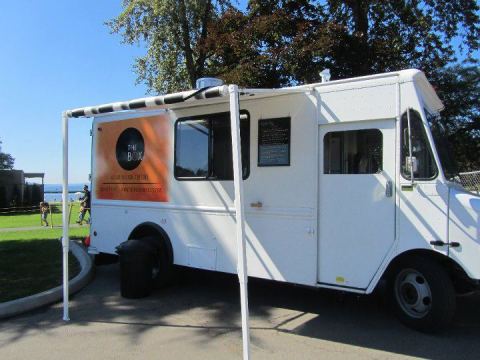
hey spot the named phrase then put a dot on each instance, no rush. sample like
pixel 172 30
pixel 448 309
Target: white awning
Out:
pixel 218 94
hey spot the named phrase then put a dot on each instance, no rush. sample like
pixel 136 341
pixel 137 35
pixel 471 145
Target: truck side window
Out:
pixel 353 152
pixel 203 147
pixel 191 145
pixel 423 163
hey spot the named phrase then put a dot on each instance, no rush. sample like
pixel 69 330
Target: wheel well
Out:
pixel 460 279
pixel 152 229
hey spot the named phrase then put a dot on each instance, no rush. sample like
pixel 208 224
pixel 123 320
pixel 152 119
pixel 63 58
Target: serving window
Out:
pixel 203 147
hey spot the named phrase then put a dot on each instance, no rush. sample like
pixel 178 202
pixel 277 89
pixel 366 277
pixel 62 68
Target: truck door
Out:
pixel 356 201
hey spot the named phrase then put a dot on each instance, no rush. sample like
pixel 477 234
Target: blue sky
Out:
pixel 56 55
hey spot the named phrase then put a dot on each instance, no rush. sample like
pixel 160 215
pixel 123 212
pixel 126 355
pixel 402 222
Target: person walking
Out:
pixel 44 207
pixel 84 205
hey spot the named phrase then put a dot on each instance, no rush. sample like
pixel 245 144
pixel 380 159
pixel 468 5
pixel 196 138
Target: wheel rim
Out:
pixel 413 293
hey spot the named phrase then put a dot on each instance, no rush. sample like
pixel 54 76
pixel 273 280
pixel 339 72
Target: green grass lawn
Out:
pixel 31 261
pixel 43 234
pixel 33 219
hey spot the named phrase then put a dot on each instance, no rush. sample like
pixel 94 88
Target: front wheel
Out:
pixel 422 294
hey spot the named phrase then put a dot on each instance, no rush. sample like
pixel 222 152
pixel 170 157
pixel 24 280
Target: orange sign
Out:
pixel 132 159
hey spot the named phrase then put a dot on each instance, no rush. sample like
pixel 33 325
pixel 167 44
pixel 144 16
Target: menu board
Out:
pixel 274 142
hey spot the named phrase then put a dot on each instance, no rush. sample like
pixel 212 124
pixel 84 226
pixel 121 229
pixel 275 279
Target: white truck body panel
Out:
pixel 464 227
pixel 199 216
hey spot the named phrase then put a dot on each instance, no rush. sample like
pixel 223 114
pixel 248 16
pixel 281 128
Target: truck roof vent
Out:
pixel 208 82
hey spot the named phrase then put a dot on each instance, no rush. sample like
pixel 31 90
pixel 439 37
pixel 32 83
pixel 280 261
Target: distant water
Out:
pixel 53 192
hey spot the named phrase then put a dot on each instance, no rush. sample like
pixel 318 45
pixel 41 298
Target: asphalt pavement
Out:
pixel 199 318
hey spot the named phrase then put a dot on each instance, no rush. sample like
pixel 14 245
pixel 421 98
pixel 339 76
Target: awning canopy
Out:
pixel 181 99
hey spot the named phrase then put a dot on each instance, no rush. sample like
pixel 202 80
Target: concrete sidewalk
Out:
pixel 199 318
pixel 38 228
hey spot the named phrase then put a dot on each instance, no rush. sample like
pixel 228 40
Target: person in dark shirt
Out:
pixel 84 205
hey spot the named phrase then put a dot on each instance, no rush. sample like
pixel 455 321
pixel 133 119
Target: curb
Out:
pixel 18 306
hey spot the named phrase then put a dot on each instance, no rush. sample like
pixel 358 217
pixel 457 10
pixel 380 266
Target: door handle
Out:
pixel 389 188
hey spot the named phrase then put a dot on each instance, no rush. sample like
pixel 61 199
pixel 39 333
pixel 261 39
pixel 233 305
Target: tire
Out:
pixel 422 294
pixel 105 259
pixel 162 268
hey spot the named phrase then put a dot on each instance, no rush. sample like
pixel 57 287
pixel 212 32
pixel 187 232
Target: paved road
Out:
pixel 199 318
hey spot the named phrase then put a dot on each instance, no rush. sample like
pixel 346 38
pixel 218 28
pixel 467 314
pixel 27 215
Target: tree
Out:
pixel 254 49
pixel 458 127
pixel 284 42
pixel 378 36
pixel 287 42
pixel 6 160
pixel 173 31
pixel 299 38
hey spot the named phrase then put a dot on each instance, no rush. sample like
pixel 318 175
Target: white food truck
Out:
pixel 341 186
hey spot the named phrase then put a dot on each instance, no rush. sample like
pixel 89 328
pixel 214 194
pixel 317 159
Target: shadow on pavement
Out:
pixel 209 303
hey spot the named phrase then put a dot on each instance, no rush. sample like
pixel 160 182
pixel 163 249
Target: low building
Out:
pixel 16 191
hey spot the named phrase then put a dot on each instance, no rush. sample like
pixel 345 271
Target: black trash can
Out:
pixel 137 259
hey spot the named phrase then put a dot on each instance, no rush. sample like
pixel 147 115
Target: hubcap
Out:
pixel 413 293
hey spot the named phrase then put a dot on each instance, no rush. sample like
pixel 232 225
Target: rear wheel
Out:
pixel 162 267
pixel 422 294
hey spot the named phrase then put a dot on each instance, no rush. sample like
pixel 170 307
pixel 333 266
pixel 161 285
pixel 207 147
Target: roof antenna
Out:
pixel 325 74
